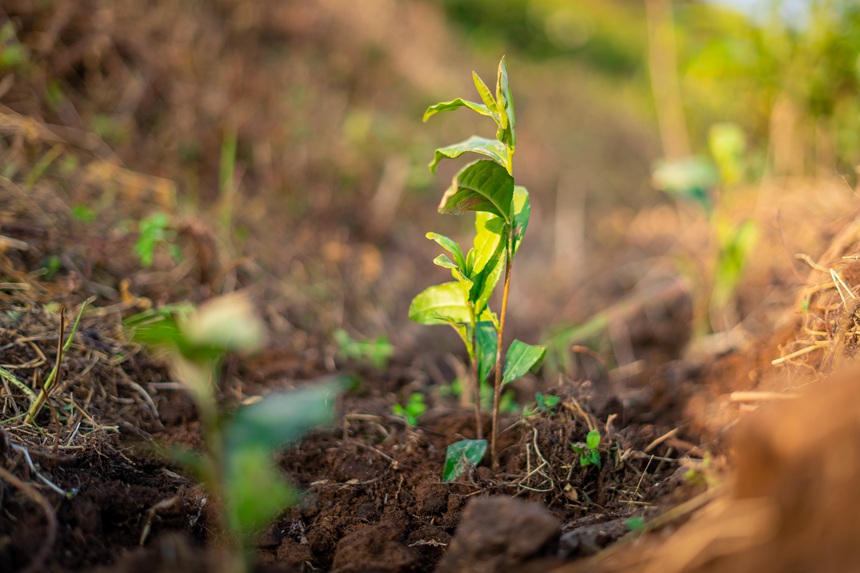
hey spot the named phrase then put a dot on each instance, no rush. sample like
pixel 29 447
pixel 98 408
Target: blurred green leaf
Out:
pixel 691 178
pixel 281 418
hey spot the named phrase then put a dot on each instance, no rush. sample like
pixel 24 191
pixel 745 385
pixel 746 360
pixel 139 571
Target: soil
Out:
pixel 709 461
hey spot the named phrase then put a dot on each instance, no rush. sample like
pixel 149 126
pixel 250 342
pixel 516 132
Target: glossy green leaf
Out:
pixel 281 418
pixel 441 304
pixel 461 456
pixel 480 186
pixel 487 339
pixel 486 95
pixel 456 104
pixel 449 245
pixel 522 212
pixel 492 148
pixel 520 359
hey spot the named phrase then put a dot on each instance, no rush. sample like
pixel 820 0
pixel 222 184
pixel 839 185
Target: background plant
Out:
pixel 502 211
pixel 237 466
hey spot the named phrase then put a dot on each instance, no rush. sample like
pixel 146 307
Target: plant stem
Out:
pixel 497 386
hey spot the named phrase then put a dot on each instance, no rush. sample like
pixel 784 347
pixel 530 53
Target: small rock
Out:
pixel 590 539
pixel 499 534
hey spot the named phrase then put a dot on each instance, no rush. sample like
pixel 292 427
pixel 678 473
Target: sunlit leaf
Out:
pixel 691 178
pixel 520 359
pixel 522 212
pixel 486 95
pixel 461 456
pixel 592 439
pixel 480 186
pixel 492 148
pixel 450 246
pixel 456 104
pixel 440 304
pixel 506 103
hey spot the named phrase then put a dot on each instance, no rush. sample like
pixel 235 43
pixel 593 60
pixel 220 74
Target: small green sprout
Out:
pixel 502 210
pixel 588 452
pixel 376 352
pixel 414 408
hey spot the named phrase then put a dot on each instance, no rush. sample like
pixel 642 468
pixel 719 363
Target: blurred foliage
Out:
pixel 790 84
pixel 606 35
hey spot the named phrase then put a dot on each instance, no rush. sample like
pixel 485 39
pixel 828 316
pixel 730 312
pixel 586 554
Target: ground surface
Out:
pixel 119 112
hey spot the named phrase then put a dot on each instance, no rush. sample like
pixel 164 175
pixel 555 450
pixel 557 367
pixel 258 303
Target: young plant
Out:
pixel 237 466
pixel 414 408
pixel 588 453
pixel 485 187
pixel 543 403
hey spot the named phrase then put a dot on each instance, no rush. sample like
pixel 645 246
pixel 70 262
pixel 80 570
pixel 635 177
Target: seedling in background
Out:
pixel 588 453
pixel 485 187
pixel 237 466
pixel 414 408
pixel 376 352
pixel 155 230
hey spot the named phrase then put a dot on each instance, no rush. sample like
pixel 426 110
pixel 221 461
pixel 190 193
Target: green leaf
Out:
pixel 227 323
pixel 451 246
pixel 455 104
pixel 281 418
pixel 487 339
pixel 520 359
pixel 486 96
pixel 522 212
pixel 505 99
pixel 441 304
pixel 461 456
pixel 492 148
pixel 480 186
pixel 592 439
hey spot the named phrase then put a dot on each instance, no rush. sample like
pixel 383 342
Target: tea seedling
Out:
pixel 485 187
pixel 237 466
pixel 588 453
pixel 414 408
